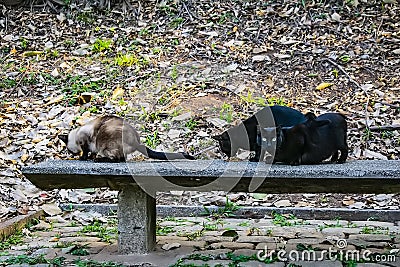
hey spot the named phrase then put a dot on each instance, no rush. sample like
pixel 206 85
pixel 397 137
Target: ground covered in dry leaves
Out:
pixel 182 71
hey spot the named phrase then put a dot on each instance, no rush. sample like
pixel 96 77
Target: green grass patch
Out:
pixel 226 112
pixel 285 220
pixel 226 211
pixel 105 232
pixel 12 240
pixel 375 230
pixel 101 45
pixel 164 230
pixel 153 140
pixel 191 124
pixel 24 259
pixel 92 263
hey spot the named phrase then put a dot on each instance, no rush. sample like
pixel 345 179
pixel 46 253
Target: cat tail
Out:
pixel 163 155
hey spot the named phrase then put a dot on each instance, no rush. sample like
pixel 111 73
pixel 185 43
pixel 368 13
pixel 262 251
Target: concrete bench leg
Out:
pixel 136 221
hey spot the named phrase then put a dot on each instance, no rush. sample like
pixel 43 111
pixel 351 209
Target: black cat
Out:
pixel 245 134
pixel 313 141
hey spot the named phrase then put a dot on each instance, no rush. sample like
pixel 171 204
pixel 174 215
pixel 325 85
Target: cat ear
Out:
pixel 310 116
pixel 64 138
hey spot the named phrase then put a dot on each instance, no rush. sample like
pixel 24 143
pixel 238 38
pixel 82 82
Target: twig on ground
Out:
pixel 17 85
pixel 345 73
pixel 187 11
pixel 388 104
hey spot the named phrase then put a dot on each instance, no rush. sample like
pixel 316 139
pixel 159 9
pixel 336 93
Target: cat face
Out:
pixel 270 138
pixel 71 141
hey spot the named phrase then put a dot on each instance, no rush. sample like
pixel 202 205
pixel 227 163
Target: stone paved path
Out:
pixel 206 241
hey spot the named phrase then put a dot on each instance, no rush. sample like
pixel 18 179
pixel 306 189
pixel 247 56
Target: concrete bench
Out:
pixel 137 183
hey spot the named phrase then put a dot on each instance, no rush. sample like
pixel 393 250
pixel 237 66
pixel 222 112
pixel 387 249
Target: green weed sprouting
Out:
pixel 101 45
pixel 226 112
pixel 153 140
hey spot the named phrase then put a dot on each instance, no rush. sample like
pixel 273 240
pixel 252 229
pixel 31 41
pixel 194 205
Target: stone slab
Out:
pixel 358 176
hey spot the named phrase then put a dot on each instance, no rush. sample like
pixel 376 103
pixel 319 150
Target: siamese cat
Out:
pixel 245 134
pixel 111 139
pixel 311 142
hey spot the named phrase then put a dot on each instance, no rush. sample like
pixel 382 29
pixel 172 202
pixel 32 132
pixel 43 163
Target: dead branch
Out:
pixel 345 73
pixel 388 104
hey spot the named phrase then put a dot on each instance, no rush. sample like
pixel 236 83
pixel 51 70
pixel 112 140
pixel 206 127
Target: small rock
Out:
pixel 80 52
pixel 67 249
pixel 230 68
pixel 243 155
pixel 383 197
pixel 55 73
pixel 282 203
pixel 173 133
pixel 31 27
pixel 48 45
pixel 51 209
pixel 357 205
pixel 260 58
pixel 374 155
pixel 258 50
pixel 42 225
pixel 217 122
pixel 335 17
pixel 281 56
pixel 182 117
pixel 171 246
pixel 8 38
pixel 61 17
pixel 379 93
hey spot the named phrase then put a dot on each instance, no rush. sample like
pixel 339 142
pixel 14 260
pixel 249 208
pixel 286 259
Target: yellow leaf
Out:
pixel 323 86
pixel 235 29
pixel 348 202
pixel 31 53
pixel 55 100
pixel 54 239
pixel 260 12
pixel 24 157
pixel 118 92
pixel 13 51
